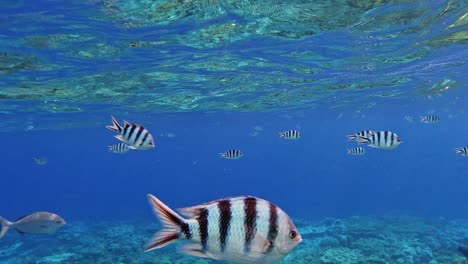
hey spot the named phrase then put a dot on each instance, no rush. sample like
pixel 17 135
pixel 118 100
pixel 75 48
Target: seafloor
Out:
pixel 368 240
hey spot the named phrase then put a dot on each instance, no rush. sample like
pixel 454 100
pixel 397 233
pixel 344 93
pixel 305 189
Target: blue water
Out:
pixel 215 76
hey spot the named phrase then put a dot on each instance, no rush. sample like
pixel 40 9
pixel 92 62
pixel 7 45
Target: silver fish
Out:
pixel 462 151
pixel 242 229
pixel 290 134
pixel 35 223
pixel 232 154
pixel 134 135
pixel 120 148
pixel 381 139
pixel 356 151
pixel 430 119
pixel 40 160
pixel 364 133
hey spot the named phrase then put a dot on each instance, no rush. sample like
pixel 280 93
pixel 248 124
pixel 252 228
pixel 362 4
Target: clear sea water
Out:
pixel 207 76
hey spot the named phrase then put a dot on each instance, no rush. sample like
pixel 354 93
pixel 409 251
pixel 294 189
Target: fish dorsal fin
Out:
pixel 260 244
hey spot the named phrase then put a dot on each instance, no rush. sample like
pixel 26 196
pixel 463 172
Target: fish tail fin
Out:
pixel 115 125
pixel 348 151
pixel 351 137
pixel 5 226
pixel 281 134
pixel 173 224
pixel 458 150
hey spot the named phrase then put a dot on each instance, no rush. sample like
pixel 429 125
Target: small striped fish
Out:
pixel 430 119
pixel 356 151
pixel 40 160
pixel 382 140
pixel 242 229
pixel 119 148
pixel 462 151
pixel 364 133
pixel 290 134
pixel 134 135
pixel 232 154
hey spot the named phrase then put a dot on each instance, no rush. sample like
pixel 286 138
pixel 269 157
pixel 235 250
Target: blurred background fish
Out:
pixel 40 160
pixel 119 148
pixel 462 151
pixel 232 154
pixel 430 119
pixel 290 134
pixel 356 151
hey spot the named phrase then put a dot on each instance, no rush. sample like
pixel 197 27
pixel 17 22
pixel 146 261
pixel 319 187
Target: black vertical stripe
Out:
pixel 130 133
pixel 250 210
pixel 203 227
pixel 273 226
pixel 125 129
pixel 144 138
pixel 224 221
pixel 138 133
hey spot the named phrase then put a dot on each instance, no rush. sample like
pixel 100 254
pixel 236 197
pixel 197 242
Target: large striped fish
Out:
pixel 242 229
pixel 134 135
pixel 381 139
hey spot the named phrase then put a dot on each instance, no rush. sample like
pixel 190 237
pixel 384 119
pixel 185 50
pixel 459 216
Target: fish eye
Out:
pixel 292 234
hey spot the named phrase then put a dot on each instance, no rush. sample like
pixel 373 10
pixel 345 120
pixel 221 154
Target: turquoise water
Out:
pixel 208 76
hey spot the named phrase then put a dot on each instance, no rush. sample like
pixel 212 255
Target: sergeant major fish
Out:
pixel 35 223
pixel 120 148
pixel 430 119
pixel 462 151
pixel 134 135
pixel 232 154
pixel 356 151
pixel 382 140
pixel 290 134
pixel 242 229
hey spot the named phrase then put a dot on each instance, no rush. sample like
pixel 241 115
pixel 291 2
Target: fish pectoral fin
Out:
pixel 261 244
pixel 197 251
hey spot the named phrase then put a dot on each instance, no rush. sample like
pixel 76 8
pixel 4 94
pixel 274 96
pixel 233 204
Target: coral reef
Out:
pixel 354 240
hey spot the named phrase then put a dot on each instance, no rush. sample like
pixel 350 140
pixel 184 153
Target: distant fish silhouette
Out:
pixel 463 250
pixel 40 160
pixel 35 223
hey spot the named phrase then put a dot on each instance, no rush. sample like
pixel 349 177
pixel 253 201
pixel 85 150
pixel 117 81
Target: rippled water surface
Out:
pixel 207 55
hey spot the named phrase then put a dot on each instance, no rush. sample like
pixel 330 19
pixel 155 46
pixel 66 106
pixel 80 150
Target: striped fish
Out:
pixel 290 134
pixel 364 133
pixel 40 160
pixel 430 119
pixel 462 151
pixel 232 154
pixel 134 135
pixel 382 140
pixel 120 148
pixel 242 229
pixel 356 151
